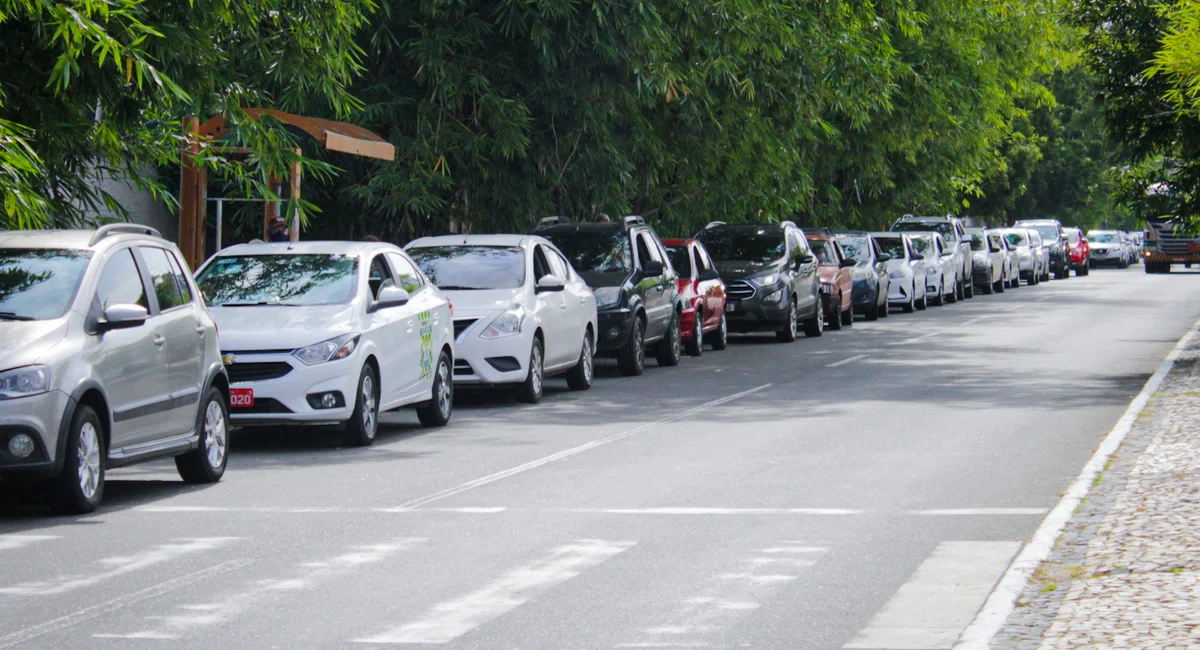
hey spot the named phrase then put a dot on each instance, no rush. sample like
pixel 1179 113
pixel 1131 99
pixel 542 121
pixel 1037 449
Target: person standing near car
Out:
pixel 278 230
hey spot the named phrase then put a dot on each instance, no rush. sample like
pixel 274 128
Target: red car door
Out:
pixel 711 291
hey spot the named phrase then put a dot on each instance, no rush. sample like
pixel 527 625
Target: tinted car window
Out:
pixel 39 284
pixel 823 250
pixel 855 247
pixel 743 245
pixel 1072 236
pixel 1102 238
pixel 181 281
pixel 595 252
pixel 407 275
pixel 893 246
pixel 120 283
pixel 279 280
pixel 681 260
pixel 923 245
pixel 472 267
pixel 1015 238
pixel 162 278
pixel 1048 233
pixel 977 242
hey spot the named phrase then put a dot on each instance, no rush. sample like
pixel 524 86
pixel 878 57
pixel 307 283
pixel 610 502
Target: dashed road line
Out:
pixel 12 542
pixel 846 361
pixel 955 512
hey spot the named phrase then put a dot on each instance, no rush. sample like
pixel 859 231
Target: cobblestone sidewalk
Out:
pixel 1126 571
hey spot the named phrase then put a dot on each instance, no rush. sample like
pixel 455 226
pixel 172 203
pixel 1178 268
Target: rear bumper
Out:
pixel 1155 257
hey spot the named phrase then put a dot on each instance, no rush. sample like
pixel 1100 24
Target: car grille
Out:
pixel 461 367
pixel 1173 247
pixel 261 371
pixel 739 290
pixel 461 326
pixel 263 405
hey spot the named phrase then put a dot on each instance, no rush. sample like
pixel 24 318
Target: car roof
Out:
pixel 612 227
pixel 1038 222
pixel 70 239
pixel 306 248
pixel 772 227
pixel 474 240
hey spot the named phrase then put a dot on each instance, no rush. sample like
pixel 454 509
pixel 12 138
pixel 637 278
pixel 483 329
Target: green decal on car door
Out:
pixel 426 344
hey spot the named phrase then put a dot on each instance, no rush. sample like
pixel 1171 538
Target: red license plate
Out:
pixel 241 398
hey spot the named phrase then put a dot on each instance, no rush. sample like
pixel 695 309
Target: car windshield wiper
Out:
pixel 455 287
pixel 259 304
pixel 8 315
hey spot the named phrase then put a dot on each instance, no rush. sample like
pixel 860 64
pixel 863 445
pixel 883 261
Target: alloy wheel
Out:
pixel 535 371
pixel 369 416
pixel 588 368
pixel 89 460
pixel 215 433
pixel 444 389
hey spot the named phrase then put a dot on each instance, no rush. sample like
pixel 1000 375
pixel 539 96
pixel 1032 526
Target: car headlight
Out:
pixel 897 274
pixel 506 324
pixel 24 382
pixel 607 296
pixel 766 280
pixel 331 350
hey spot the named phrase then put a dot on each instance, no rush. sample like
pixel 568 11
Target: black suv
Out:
pixel 1055 240
pixel 637 302
pixel 771 279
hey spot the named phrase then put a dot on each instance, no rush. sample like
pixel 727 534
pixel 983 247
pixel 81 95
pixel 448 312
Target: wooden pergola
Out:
pixel 193 186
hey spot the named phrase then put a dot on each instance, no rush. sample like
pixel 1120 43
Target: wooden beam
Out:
pixel 294 218
pixel 189 188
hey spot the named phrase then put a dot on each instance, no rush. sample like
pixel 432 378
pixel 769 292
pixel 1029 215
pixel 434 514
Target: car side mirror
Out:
pixel 549 283
pixel 652 268
pixel 848 262
pixel 124 316
pixel 709 274
pixel 391 296
pixel 996 249
pixel 807 259
pixel 917 256
pixel 884 257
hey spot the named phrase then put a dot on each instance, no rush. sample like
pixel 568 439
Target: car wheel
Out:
pixel 580 377
pixel 848 317
pixel 969 288
pixel 695 347
pixel 875 310
pixel 530 390
pixel 206 463
pixel 78 488
pixel 1084 270
pixel 834 322
pixel 814 326
pixel 998 286
pixel 720 338
pixel 939 295
pixel 670 350
pixel 923 303
pixel 912 302
pixel 885 309
pixel 364 420
pixel 955 294
pixel 631 360
pixel 436 412
pixel 791 329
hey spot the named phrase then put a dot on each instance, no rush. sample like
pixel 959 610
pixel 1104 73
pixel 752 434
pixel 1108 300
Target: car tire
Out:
pixel 580 377
pixel 206 463
pixel 969 289
pixel 814 326
pixel 530 390
pixel 79 487
pixel 695 347
pixel 923 304
pixel 834 322
pixel 669 351
pixel 631 359
pixel 885 309
pixel 1084 270
pixel 912 302
pixel 989 287
pixel 436 412
pixel 791 330
pixel 875 311
pixel 955 296
pixel 719 340
pixel 364 420
pixel 848 317
pixel 939 296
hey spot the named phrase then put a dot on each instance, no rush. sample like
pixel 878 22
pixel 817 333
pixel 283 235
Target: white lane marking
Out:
pixel 121 565
pixel 916 339
pixel 312 510
pixel 954 512
pixel 113 604
pixel 845 361
pixel 10 542
pixel 452 619
pixel 720 511
pixel 1002 601
pixel 229 606
pixel 728 597
pixel 567 453
pixel 939 601
pixel 972 321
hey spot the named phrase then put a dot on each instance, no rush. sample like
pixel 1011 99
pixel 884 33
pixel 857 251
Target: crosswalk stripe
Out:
pixel 930 610
pixel 121 565
pixel 230 606
pixel 11 542
pixel 452 619
pixel 729 596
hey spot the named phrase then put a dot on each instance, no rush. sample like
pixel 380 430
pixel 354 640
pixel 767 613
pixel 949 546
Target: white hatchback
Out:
pixel 329 333
pixel 521 313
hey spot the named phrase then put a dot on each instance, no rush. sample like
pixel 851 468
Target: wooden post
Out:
pixel 270 208
pixel 189 190
pixel 294 225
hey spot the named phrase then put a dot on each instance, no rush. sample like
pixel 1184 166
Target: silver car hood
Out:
pixel 24 342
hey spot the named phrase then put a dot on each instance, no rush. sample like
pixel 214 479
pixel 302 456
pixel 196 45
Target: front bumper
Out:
pixel 40 417
pixel 864 294
pixel 285 399
pixel 491 361
pixel 753 314
pixel 615 324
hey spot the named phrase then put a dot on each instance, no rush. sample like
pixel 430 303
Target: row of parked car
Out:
pixel 112 353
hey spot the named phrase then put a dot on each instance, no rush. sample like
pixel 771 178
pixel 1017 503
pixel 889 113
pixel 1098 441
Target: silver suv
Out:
pixel 108 357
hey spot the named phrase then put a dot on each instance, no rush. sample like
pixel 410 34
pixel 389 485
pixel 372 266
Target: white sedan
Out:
pixel 941 268
pixel 329 333
pixel 521 313
pixel 906 271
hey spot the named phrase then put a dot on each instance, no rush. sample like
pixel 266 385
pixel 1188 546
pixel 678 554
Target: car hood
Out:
pixel 24 342
pixel 828 273
pixel 596 279
pixel 280 328
pixel 894 264
pixel 743 270
pixel 477 304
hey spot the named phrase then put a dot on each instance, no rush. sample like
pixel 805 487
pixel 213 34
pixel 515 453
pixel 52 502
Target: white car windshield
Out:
pixel 292 280
pixel 893 246
pixel 38 284
pixel 1102 238
pixel 463 268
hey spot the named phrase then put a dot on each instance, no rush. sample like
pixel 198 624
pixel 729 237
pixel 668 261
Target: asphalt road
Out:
pixel 864 488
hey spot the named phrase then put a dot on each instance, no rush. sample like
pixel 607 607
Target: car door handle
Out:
pixel 409 325
pixel 200 330
pixel 159 340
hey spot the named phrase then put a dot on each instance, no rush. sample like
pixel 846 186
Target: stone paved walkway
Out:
pixel 1126 572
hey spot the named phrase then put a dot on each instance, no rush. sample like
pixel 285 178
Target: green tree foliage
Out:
pixel 831 112
pixel 95 89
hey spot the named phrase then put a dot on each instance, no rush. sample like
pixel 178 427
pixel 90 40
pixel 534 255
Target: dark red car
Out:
pixel 837 279
pixel 703 295
pixel 1078 250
